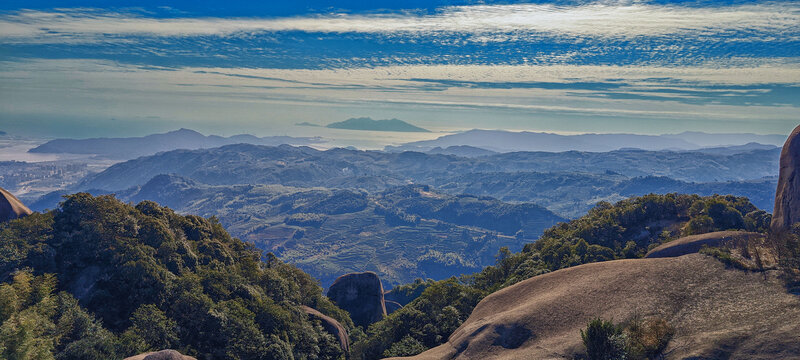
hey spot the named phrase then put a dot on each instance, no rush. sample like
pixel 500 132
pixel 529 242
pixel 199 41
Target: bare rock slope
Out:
pixel 693 243
pixel 718 313
pixel 787 197
pixel 10 207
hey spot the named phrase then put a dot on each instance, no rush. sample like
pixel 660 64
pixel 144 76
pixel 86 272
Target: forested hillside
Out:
pixel 99 279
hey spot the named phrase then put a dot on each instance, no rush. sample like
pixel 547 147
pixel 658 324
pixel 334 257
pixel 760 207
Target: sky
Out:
pixel 83 68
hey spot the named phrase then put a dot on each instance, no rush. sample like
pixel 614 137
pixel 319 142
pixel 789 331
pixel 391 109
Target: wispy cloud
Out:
pixel 486 22
pixel 702 92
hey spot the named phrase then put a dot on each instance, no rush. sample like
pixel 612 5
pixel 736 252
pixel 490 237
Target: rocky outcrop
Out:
pixel 330 325
pixel 787 196
pixel 10 207
pixel 360 294
pixel 161 355
pixel 717 312
pixel 692 244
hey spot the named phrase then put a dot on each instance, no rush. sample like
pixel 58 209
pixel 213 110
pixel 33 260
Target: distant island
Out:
pixel 369 124
pixel 306 123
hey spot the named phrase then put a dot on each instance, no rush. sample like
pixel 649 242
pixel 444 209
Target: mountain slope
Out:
pixel 541 318
pixel 626 229
pixel 155 279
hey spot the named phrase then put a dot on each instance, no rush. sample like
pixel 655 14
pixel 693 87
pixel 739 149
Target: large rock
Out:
pixel 360 294
pixel 161 355
pixel 330 325
pixel 717 312
pixel 10 207
pixel 693 243
pixel 787 197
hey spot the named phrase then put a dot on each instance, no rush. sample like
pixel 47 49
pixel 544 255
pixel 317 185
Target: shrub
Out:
pixel 648 338
pixel 604 340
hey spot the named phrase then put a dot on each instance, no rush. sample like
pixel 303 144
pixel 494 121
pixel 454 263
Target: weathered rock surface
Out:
pixel 330 325
pixel 787 196
pixel 718 313
pixel 693 243
pixel 360 294
pixel 161 355
pixel 10 207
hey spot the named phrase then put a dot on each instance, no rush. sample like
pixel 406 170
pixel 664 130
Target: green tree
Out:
pixel 154 327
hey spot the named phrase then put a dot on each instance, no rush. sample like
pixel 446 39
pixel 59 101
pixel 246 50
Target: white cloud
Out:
pixel 487 22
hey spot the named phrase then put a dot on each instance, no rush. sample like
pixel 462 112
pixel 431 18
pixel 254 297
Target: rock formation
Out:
pixel 360 294
pixel 10 207
pixel 787 197
pixel 161 355
pixel 693 243
pixel 330 325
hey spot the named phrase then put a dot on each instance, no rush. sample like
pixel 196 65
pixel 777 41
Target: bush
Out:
pixel 648 338
pixel 604 341
pixel 641 339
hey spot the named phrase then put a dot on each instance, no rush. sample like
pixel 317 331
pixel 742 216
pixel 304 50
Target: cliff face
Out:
pixel 360 294
pixel 787 196
pixel 10 207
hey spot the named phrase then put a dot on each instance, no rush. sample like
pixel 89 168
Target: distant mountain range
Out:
pixel 568 183
pixel 369 124
pixel 705 139
pixel 133 147
pixel 462 150
pixel 737 149
pixel 511 141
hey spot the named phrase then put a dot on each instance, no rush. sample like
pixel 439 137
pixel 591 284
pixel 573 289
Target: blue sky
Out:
pixel 87 68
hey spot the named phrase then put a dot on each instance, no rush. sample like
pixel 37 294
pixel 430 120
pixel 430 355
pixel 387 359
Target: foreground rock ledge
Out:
pixel 717 312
